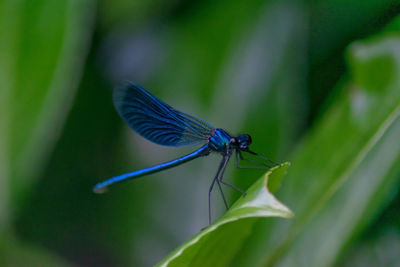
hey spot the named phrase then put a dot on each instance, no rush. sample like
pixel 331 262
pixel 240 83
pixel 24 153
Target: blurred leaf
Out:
pixel 45 51
pixel 70 219
pixel 382 250
pixel 16 253
pixel 8 42
pixel 351 161
pixel 208 248
pixel 333 25
pixel 42 50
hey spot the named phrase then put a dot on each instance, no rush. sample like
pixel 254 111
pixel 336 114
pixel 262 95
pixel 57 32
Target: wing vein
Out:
pixel 157 121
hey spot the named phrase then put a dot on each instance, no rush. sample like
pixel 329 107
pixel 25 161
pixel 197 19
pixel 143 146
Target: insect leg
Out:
pixel 222 194
pixel 264 158
pixel 228 184
pixel 211 188
pixel 239 154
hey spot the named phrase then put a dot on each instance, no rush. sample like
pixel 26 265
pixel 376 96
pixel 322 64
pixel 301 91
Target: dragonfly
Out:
pixel 164 125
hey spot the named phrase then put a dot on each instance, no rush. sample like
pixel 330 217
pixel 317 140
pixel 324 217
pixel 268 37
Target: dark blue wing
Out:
pixel 156 121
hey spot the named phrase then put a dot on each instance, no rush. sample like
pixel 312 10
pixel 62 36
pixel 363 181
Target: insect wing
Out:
pixel 157 121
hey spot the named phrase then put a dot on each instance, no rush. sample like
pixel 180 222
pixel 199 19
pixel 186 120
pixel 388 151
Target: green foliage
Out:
pixel 44 51
pixel 348 165
pixel 16 253
pixel 316 83
pixel 209 247
pixel 43 46
pixel 353 175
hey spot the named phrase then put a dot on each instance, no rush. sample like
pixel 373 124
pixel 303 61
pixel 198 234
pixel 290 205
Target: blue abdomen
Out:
pixel 219 141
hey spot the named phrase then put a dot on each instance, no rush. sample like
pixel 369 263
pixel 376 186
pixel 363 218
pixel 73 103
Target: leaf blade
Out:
pixel 258 202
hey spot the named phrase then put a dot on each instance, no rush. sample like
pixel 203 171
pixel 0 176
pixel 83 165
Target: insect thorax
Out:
pixel 219 140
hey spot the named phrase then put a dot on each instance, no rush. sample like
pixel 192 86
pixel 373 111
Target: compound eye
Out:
pixel 248 139
pixel 244 141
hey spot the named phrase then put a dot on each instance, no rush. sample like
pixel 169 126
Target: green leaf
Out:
pixel 205 248
pixel 350 160
pixel 44 45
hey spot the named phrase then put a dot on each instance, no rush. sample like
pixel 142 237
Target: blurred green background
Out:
pixel 316 83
